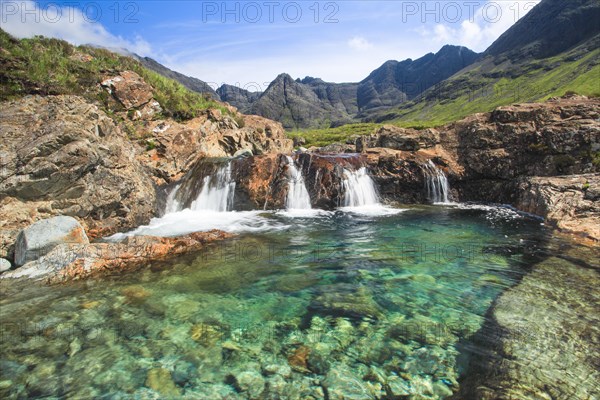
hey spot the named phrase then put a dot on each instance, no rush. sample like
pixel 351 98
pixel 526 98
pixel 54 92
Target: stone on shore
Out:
pixel 42 236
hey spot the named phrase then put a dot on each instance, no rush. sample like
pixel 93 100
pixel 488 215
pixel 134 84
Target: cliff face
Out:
pixel 240 98
pixel 64 155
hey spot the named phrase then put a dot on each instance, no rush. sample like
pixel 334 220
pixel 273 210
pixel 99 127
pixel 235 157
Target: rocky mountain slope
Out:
pixel 298 105
pixel 555 48
pixel 240 98
pixel 314 103
pixel 395 82
pixel 552 27
pixel 539 57
pixel 189 82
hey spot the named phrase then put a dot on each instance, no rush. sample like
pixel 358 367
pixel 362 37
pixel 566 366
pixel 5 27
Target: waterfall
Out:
pixel 216 194
pixel 359 189
pixel 436 183
pixel 172 204
pixel 297 197
pixel 217 191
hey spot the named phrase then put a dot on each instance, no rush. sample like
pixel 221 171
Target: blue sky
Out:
pixel 248 43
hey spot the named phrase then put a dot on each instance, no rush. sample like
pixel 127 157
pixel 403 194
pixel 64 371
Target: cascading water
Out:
pixel 359 189
pixel 297 197
pixel 436 183
pixel 216 194
pixel 172 205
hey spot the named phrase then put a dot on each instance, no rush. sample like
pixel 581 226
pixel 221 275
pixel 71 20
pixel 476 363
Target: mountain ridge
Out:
pixel 339 103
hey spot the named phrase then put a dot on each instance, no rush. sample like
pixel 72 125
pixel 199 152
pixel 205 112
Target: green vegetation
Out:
pixel 596 159
pixel 51 67
pixel 323 137
pixel 475 92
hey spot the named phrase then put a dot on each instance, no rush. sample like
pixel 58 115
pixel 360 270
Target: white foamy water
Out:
pixel 437 183
pixel 217 192
pixel 359 189
pixel 373 210
pixel 189 221
pixel 297 197
pixel 211 209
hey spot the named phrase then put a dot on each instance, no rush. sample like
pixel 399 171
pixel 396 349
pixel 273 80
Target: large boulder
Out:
pixel 559 137
pixel 134 94
pixel 41 237
pixel 540 339
pixel 393 137
pixel 572 203
pixel 129 89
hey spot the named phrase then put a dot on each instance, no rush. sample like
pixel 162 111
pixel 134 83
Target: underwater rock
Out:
pixel 318 362
pixel 276 386
pixel 135 294
pixel 5 384
pixel 206 334
pixel 159 380
pixel 541 338
pixel 352 303
pixel 441 390
pixel 182 372
pixel 397 387
pixel 249 382
pixel 342 384
pixel 278 369
pixel 489 278
pixel 299 359
pixel 87 305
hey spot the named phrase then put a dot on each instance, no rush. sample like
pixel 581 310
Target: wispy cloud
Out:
pixel 27 19
pixel 359 43
pixel 487 24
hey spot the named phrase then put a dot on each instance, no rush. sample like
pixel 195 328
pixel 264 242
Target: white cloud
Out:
pixel 359 43
pixel 488 23
pixel 27 19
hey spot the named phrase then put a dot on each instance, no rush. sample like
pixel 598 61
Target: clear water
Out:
pixel 349 299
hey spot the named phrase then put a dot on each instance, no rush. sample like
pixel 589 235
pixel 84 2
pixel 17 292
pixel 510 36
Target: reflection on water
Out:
pixel 358 305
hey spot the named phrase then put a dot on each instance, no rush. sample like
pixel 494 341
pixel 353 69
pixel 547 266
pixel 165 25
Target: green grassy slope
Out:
pixel 536 81
pixel 50 67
